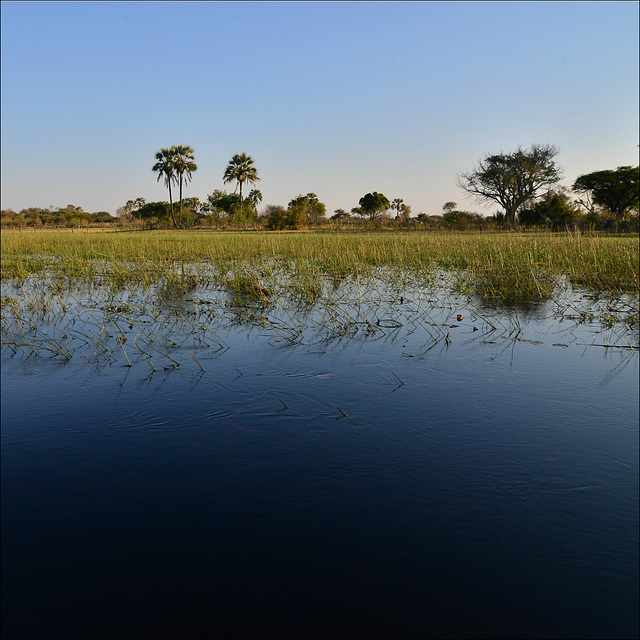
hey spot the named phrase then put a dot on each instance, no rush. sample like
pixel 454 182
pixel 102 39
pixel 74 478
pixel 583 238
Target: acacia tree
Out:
pixel 512 179
pixel 241 169
pixel 165 168
pixel 616 190
pixel 449 206
pixel 183 166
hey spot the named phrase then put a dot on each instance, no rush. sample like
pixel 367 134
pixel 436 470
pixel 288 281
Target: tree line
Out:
pixel 524 184
pixel 70 216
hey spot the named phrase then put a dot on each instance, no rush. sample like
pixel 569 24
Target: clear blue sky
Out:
pixel 337 98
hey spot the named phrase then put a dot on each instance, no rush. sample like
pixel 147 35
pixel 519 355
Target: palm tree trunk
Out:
pixel 181 200
pixel 240 183
pixel 173 218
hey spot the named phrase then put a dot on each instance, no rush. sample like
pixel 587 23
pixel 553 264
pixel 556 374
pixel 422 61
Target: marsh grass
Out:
pixel 142 258
pixel 142 294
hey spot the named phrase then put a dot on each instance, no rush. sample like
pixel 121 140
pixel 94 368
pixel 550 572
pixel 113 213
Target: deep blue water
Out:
pixel 363 488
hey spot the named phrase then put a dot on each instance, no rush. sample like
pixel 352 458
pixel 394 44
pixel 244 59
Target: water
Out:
pixel 388 486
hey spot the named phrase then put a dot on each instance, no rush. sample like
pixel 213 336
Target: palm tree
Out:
pixel 241 169
pixel 164 167
pixel 397 205
pixel 183 166
pixel 255 198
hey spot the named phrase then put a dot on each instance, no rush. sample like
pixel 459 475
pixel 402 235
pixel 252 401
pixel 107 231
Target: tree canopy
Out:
pixel 155 213
pixel 220 203
pixel 374 204
pixel 555 210
pixel 306 209
pixel 512 179
pixel 449 206
pixel 278 218
pixel 617 190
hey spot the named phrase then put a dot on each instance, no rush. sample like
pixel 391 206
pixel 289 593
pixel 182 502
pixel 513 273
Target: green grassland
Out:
pixel 502 266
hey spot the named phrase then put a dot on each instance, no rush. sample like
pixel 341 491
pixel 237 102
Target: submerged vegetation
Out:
pixel 144 294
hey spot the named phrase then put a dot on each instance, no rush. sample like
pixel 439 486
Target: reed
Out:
pixel 507 265
pixel 141 294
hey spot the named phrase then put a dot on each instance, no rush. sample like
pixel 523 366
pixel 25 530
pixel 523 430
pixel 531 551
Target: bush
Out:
pixel 278 218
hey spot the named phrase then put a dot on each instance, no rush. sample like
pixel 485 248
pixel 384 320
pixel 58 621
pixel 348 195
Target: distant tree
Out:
pixel 585 200
pixel 165 168
pixel 296 215
pixel 396 205
pixel 554 209
pixel 9 217
pixel 52 218
pixel 306 209
pixel 133 206
pixel 499 220
pixel 255 198
pixel 449 206
pixel 32 212
pixel 221 204
pixel 617 190
pixel 512 179
pixel 156 213
pixel 277 218
pixel 192 210
pixel 241 169
pixel 461 219
pixel 102 216
pixel 73 216
pixel 404 213
pixel 340 215
pixel 193 204
pixel 317 210
pixel 374 204
pixel 183 166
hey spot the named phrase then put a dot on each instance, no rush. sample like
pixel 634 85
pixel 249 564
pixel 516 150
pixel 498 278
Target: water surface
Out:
pixel 392 485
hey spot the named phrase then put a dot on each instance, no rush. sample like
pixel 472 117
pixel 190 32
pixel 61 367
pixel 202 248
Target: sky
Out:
pixel 335 98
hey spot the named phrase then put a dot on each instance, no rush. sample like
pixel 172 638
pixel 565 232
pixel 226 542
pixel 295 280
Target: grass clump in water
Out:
pixel 248 286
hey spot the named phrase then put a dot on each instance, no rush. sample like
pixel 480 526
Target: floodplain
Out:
pixel 319 434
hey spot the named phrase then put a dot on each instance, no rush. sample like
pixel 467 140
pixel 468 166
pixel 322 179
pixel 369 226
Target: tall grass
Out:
pixel 138 295
pixel 509 266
